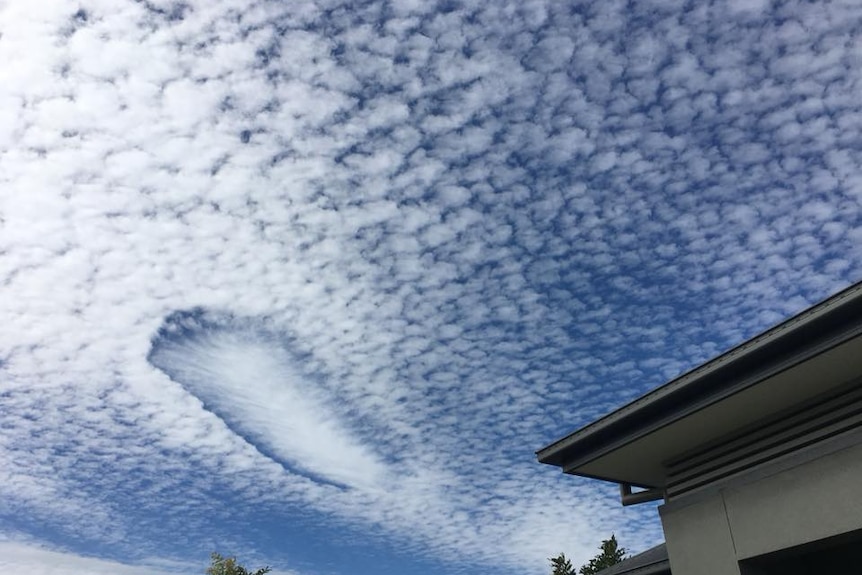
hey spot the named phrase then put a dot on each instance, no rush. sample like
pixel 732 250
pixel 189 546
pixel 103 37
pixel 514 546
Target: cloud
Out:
pixel 418 242
pixel 15 556
pixel 262 391
pixel 38 560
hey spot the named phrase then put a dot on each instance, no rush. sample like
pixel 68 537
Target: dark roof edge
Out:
pixel 657 568
pixel 804 331
pixel 653 561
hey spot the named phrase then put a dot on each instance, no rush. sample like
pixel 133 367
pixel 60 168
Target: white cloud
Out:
pixel 37 560
pixel 265 393
pixel 454 236
pixel 748 7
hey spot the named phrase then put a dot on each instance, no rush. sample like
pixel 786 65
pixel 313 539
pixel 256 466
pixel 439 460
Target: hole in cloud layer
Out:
pixel 250 378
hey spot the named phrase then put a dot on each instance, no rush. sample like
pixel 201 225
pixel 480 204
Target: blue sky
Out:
pixel 310 282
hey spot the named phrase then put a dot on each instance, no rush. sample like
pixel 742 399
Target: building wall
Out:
pixel 708 534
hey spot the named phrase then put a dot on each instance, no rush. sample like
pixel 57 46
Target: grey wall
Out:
pixel 710 534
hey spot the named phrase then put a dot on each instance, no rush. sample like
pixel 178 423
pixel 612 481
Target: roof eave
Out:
pixel 827 323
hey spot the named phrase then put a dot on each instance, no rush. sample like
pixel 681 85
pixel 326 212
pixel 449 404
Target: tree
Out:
pixel 228 566
pixel 611 554
pixel 561 565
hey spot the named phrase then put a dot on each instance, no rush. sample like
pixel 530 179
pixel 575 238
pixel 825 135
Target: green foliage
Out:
pixel 228 566
pixel 611 554
pixel 561 565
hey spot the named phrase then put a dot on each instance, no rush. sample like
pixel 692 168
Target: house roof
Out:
pixel 800 358
pixel 653 561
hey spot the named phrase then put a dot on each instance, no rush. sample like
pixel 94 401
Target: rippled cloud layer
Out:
pixel 309 282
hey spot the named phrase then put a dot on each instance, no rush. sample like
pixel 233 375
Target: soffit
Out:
pixel 642 460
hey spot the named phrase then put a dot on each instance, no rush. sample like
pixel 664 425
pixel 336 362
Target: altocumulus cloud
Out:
pixel 34 559
pixel 310 281
pixel 253 382
pixel 26 556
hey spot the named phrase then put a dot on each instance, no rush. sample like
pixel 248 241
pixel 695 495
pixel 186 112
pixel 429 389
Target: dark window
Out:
pixel 833 556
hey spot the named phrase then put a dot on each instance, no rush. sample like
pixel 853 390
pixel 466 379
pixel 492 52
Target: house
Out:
pixel 756 455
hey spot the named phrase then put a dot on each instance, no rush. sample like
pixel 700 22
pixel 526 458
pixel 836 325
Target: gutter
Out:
pixel 628 497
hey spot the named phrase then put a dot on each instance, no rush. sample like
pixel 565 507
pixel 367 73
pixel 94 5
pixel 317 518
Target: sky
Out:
pixel 309 283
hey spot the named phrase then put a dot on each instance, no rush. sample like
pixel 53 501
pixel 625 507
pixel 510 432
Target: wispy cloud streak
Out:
pixel 253 382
